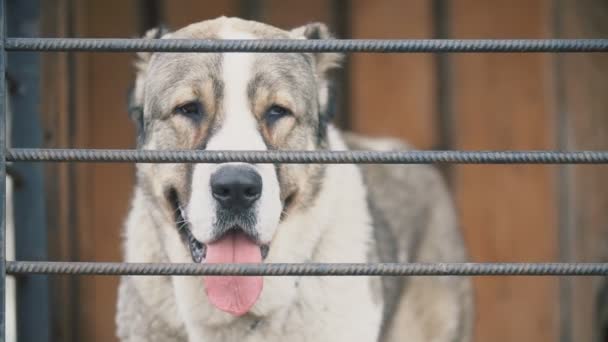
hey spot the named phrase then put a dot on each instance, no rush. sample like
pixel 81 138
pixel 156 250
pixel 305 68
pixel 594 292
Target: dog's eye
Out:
pixel 276 112
pixel 192 109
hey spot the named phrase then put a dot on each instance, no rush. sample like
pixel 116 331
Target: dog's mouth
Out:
pixel 232 294
pixel 198 249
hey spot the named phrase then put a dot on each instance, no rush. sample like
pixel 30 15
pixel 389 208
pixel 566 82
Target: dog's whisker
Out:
pixel 181 226
pixel 182 212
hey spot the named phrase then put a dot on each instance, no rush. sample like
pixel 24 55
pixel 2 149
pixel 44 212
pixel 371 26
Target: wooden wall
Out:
pixel 455 101
pixel 508 212
pixel 394 94
pixel 95 197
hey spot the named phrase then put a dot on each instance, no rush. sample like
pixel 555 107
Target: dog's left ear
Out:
pixel 136 95
pixel 324 63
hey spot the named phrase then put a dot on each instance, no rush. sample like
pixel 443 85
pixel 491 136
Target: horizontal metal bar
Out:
pixel 342 269
pixel 332 45
pixel 308 157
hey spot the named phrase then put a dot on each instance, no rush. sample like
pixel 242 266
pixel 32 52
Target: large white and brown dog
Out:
pixel 254 213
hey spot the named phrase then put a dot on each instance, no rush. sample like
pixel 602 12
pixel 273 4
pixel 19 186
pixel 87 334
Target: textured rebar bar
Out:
pixel 382 269
pixel 309 157
pixel 332 45
pixel 3 130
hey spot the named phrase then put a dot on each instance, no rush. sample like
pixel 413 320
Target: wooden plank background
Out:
pixel 508 212
pixel 394 94
pixel 101 120
pixel 497 101
pixel 584 107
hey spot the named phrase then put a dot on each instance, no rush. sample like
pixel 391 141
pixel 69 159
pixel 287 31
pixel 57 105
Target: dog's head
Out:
pixel 229 213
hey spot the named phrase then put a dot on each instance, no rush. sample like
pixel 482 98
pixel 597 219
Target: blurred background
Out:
pixel 510 213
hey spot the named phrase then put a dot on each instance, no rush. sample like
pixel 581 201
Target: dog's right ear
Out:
pixel 136 95
pixel 324 63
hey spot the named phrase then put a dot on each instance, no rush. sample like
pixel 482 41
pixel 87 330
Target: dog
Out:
pixel 288 213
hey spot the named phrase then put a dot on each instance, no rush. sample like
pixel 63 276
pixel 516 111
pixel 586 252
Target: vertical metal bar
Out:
pixel 2 168
pixel 31 243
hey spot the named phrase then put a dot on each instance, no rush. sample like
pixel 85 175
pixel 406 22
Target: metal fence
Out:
pixel 359 157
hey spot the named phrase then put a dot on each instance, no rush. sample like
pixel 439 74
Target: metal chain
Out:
pixel 331 45
pixel 309 157
pixel 382 269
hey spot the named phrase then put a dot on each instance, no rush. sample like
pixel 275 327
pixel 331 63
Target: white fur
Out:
pixel 331 308
pixel 238 131
pixel 335 227
pixel 291 308
pixel 314 308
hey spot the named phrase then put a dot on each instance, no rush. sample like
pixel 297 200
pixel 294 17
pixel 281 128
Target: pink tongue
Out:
pixel 233 294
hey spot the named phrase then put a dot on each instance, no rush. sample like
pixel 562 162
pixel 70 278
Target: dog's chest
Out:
pixel 320 312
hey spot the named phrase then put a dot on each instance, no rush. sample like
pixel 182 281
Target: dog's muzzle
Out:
pixel 230 233
pixel 236 189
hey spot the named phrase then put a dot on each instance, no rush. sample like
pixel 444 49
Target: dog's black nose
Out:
pixel 236 187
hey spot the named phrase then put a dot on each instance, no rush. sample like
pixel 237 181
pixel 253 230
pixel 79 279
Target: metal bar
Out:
pixel 307 157
pixel 314 269
pixel 3 107
pixel 331 45
pixel 26 130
